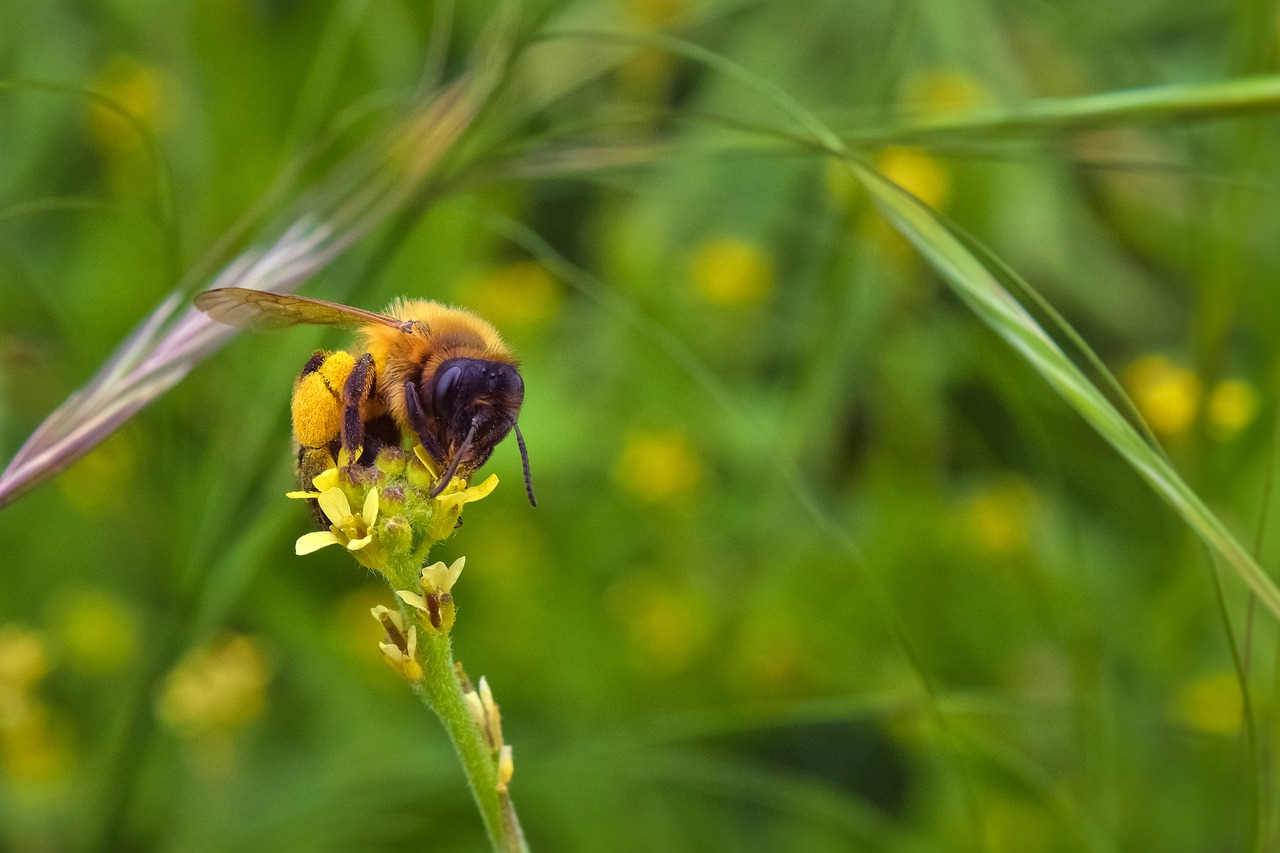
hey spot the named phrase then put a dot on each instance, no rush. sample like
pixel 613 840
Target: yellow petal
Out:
pixel 434 577
pixel 335 505
pixel 357 544
pixel 440 578
pixel 426 460
pixel 382 612
pixel 371 507
pixel 454 571
pixel 326 479
pixel 506 767
pixel 413 600
pixel 467 496
pixel 302 494
pixel 314 542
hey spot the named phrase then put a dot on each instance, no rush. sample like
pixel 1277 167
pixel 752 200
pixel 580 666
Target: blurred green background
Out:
pixel 819 562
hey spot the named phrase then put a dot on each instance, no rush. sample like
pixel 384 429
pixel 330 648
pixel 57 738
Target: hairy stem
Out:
pixel 442 692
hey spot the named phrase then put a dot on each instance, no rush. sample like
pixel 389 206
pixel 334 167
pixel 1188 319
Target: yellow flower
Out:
pixel 457 494
pixel 96 631
pixel 347 529
pixel 655 14
pixel 657 466
pixel 440 578
pixel 23 662
pixel 93 484
pixel 668 627
pixel 520 294
pixel 1167 394
pixel 730 271
pixel 1211 704
pixel 1231 407
pixel 917 172
pixel 436 600
pixel 941 90
pixel 147 94
pixel 485 712
pixel 399 647
pixel 1000 515
pixel 437 579
pixel 448 505
pixel 219 688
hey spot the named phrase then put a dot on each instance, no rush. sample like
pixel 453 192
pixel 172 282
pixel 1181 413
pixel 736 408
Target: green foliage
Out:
pixel 847 537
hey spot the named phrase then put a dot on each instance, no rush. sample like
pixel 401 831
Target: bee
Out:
pixel 423 370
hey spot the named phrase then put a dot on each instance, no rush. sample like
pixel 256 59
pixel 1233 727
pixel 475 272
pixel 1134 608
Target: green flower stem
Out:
pixel 442 693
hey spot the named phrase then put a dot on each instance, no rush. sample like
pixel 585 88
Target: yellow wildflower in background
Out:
pixel 145 93
pixel 917 172
pixel 654 14
pixel 23 662
pixel 33 747
pixel 999 516
pixel 657 466
pixel 96 631
pixel 667 627
pixel 220 688
pixel 1231 407
pixel 1167 394
pixel 730 271
pixel 93 484
pixel 911 168
pixel 940 90
pixel 1211 704
pixel 516 295
pixel 37 748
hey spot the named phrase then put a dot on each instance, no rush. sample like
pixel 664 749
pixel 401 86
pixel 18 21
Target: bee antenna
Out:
pixel 447 477
pixel 524 460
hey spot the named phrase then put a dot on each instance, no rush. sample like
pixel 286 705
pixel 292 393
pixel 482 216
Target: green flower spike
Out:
pixel 393 533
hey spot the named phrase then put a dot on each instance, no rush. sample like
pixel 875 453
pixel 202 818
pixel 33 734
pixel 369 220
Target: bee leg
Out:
pixel 357 389
pixel 418 420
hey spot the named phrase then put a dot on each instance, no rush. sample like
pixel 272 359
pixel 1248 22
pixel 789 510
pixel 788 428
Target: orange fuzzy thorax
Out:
pixel 444 333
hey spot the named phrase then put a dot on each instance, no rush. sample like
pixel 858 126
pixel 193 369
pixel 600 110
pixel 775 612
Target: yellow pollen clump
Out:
pixel 1167 394
pixel 316 404
pixel 730 271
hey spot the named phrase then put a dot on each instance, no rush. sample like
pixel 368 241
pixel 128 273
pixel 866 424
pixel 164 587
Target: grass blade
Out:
pixel 980 290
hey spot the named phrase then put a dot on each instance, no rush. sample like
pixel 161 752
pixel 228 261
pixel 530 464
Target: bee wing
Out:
pixel 261 309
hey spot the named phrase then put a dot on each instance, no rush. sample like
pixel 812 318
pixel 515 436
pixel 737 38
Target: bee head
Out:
pixel 471 404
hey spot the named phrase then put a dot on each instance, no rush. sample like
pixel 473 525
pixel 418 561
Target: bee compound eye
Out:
pixel 446 391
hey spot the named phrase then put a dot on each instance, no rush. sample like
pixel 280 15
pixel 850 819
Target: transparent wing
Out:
pixel 260 309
